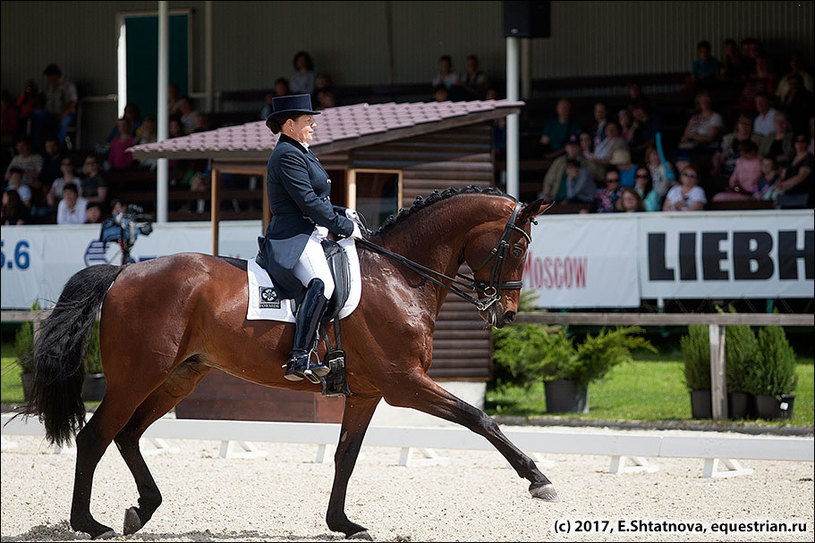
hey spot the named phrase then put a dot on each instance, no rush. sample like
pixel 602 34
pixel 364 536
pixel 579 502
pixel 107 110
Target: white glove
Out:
pixel 357 233
pixel 352 214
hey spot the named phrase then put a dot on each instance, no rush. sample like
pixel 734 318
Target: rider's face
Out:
pixel 301 128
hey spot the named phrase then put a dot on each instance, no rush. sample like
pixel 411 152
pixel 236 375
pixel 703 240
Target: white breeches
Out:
pixel 312 264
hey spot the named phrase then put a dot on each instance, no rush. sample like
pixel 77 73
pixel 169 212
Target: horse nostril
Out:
pixel 509 316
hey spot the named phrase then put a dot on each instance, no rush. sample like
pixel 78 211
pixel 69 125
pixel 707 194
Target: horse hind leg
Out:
pixel 178 386
pixel 423 394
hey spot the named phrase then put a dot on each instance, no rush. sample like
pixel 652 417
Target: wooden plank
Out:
pixel 668 319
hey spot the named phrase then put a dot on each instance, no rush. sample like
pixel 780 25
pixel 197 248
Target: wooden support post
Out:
pixel 215 202
pixel 718 381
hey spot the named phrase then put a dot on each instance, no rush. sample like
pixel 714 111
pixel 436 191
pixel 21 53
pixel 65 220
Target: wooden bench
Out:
pixel 740 205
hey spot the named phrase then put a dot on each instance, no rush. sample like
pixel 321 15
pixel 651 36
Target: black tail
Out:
pixel 60 345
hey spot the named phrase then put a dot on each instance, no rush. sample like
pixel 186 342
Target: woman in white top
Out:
pixel 66 166
pixel 704 127
pixel 687 196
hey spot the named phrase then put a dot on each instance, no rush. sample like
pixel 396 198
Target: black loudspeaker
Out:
pixel 527 19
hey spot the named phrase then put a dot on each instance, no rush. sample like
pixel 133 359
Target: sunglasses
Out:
pixel 642 176
pixel 613 180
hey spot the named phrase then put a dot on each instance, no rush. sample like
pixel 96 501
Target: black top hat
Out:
pixel 293 104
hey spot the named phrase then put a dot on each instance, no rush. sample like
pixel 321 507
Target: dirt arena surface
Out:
pixel 283 497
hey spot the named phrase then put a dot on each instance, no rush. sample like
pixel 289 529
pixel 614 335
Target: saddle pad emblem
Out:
pixel 268 298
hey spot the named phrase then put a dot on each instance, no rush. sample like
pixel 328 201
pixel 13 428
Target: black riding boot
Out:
pixel 305 330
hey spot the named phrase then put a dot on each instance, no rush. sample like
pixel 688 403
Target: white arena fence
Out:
pixel 628 450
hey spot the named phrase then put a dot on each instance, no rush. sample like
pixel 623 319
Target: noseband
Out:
pixel 489 289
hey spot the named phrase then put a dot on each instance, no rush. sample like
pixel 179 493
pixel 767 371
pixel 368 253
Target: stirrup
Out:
pixel 296 367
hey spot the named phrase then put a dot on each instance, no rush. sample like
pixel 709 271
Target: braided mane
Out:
pixel 436 196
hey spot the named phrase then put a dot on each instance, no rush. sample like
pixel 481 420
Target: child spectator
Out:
pixel 769 176
pixel 663 175
pixel 72 208
pixel 629 201
pixel 93 213
pixel 68 176
pixel 119 158
pixel 744 180
pixel 15 183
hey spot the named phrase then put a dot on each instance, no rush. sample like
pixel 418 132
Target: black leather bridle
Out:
pixel 489 289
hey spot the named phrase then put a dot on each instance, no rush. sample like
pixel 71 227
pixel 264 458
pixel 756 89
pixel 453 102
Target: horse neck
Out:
pixel 435 237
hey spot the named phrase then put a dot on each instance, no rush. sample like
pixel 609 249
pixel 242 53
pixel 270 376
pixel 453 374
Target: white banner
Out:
pixel 575 261
pixel 37 261
pixel 726 254
pixel 583 261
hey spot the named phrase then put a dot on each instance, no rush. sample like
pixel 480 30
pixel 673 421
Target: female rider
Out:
pixel 302 215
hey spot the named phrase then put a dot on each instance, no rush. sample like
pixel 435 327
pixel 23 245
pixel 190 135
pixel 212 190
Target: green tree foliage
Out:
pixel 24 343
pixel 93 358
pixel 741 354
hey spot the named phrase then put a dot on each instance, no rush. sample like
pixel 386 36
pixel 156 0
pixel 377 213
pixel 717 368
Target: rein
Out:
pixel 490 289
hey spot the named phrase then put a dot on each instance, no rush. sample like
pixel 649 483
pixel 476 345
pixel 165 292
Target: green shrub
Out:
pixel 534 352
pixel 24 343
pixel 93 358
pixel 696 349
pixel 741 354
pixel 773 373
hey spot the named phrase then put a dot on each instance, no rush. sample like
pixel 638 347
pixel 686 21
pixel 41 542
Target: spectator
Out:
pixel 761 79
pixel 499 132
pixel 605 199
pixel 303 79
pixel 687 196
pixel 13 211
pixel 644 187
pixel 799 103
pixel 281 87
pixel 795 190
pixel 598 128
pixel 326 99
pixel 586 147
pixel 29 162
pixel 629 201
pixel 134 118
pixel 704 127
pixel 557 131
pixel 119 158
pixel 734 69
pixel 50 162
pixel 173 96
pixel 29 101
pixel 743 183
pixel 577 186
pixel 473 81
pixel 189 116
pixel 68 176
pixel 554 180
pixel 448 79
pixel 663 175
pixel 9 119
pixel 625 121
pixel 72 208
pixel 613 142
pixel 622 159
pixel 778 143
pixel 267 108
pixel 644 130
pixel 796 67
pixel 767 189
pixel 94 188
pixel 440 94
pixel 93 213
pixel 15 183
pixel 763 124
pixel 750 50
pixel 60 100
pixel 148 135
pixel 174 128
pixel 724 160
pixel 636 97
pixel 704 69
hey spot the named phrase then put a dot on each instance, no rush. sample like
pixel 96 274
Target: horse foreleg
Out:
pixel 421 393
pixel 355 419
pixel 178 386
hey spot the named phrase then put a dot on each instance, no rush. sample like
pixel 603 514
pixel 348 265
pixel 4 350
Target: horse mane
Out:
pixel 434 197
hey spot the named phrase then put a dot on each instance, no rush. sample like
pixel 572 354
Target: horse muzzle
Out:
pixel 496 316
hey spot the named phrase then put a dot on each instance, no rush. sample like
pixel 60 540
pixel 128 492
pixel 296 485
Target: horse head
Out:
pixel 496 255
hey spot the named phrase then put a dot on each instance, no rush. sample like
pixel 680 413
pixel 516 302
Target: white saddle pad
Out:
pixel 263 301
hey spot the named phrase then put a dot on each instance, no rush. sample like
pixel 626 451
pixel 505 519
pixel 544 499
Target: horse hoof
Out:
pixel 363 535
pixel 544 492
pixel 132 522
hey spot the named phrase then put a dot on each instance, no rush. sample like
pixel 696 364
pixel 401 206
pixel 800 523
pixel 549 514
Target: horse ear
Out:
pixel 534 209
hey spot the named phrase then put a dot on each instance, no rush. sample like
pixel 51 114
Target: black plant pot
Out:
pixel 740 405
pixel 701 406
pixel 564 396
pixel 774 407
pixel 93 387
pixel 27 379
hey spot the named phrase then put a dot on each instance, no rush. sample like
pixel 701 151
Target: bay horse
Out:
pixel 166 322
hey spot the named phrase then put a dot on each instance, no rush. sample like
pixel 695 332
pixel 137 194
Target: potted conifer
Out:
pixel 94 384
pixel 696 349
pixel 772 379
pixel 742 353
pixel 24 349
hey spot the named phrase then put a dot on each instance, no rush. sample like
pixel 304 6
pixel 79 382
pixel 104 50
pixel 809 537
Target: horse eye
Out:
pixel 517 252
